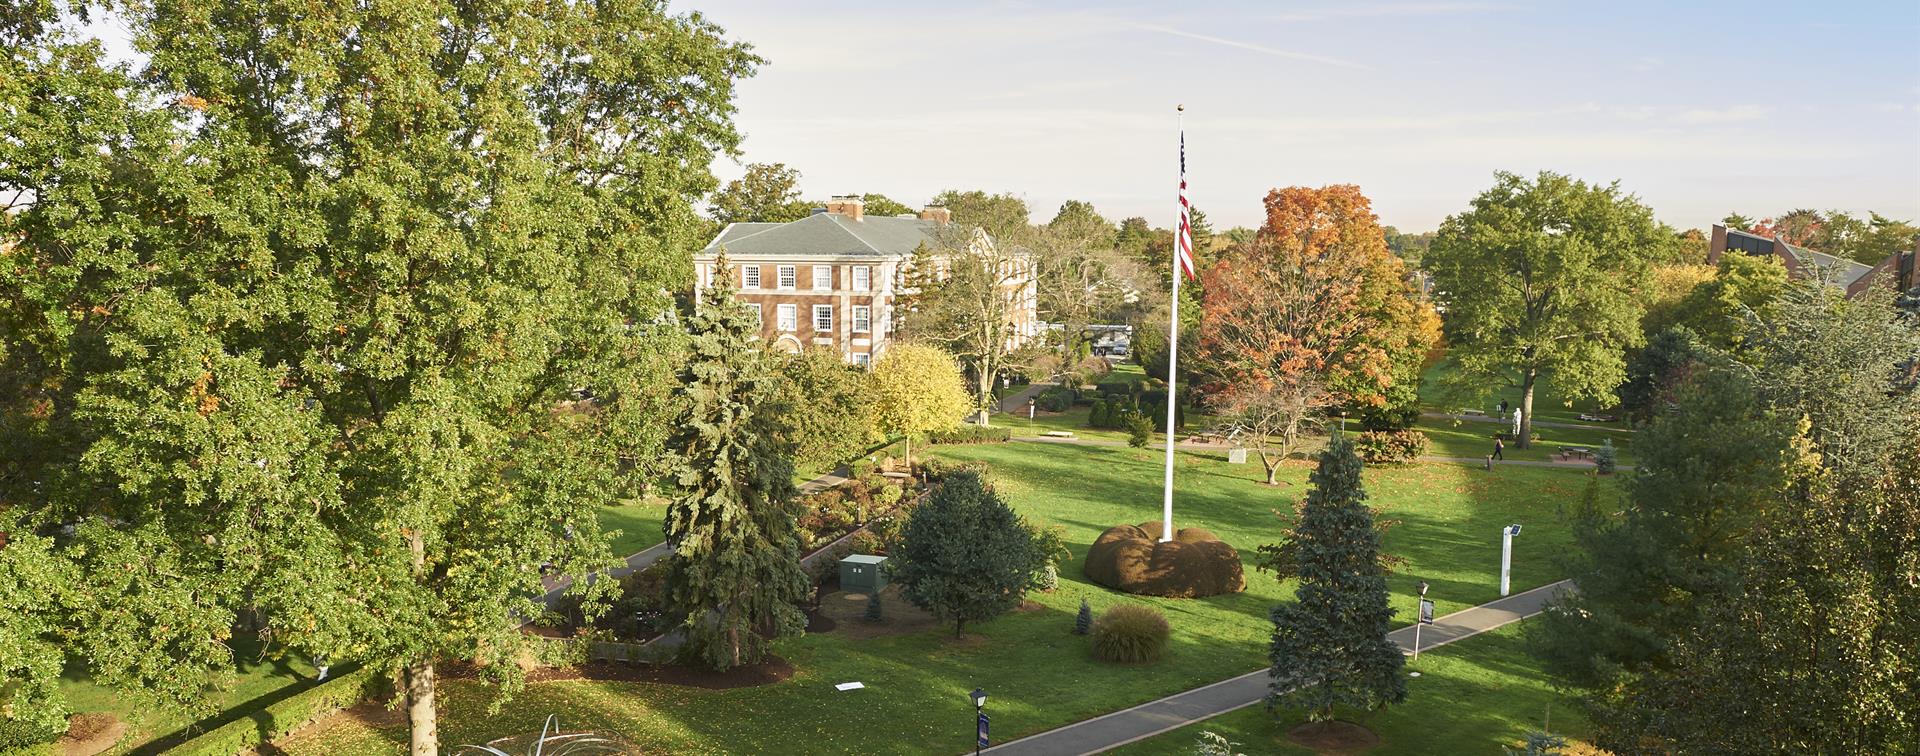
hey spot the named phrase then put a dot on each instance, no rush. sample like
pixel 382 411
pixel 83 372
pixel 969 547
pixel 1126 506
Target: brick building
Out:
pixel 1899 270
pixel 830 280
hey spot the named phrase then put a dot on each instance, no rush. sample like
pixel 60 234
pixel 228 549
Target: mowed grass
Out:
pixel 257 679
pixel 1440 391
pixel 1038 674
pixel 640 524
pixel 1474 696
pixel 1474 439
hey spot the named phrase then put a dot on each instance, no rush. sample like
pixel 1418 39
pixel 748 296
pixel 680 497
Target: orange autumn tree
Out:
pixel 1314 312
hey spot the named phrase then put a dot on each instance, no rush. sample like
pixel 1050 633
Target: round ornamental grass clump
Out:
pixel 1130 633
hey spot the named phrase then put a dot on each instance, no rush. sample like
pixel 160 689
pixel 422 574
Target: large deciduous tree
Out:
pixel 826 415
pixel 1005 217
pixel 964 555
pixel 295 316
pixel 916 389
pixel 1330 646
pixel 1315 306
pixel 966 295
pixel 766 193
pixel 734 579
pixel 1540 279
pixel 1079 277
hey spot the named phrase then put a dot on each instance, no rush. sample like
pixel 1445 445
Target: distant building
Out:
pixel 831 280
pixel 1900 270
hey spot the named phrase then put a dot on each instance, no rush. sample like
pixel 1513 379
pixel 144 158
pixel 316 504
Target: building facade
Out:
pixel 1900 270
pixel 832 280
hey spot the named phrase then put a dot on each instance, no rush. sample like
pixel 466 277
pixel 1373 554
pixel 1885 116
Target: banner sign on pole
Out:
pixel 983 731
pixel 1426 612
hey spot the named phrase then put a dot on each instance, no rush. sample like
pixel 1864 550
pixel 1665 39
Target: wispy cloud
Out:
pixel 1735 114
pixel 1390 10
pixel 1274 51
pixel 1648 63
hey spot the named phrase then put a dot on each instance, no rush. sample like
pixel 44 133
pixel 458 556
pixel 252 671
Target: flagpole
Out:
pixel 1173 343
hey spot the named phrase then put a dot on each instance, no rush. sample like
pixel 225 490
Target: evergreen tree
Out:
pixel 965 555
pixel 1707 469
pixel 1813 651
pixel 734 579
pixel 873 607
pixel 1330 646
pixel 1083 621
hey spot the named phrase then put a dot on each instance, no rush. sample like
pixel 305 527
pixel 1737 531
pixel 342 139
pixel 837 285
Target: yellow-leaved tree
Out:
pixel 917 389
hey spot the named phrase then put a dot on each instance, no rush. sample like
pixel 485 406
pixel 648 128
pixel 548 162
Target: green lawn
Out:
pixel 640 525
pixel 1474 696
pixel 254 683
pixel 1041 676
pixel 1474 439
pixel 1438 394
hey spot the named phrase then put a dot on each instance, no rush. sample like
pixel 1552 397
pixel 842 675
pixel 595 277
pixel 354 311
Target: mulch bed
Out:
pixel 1337 737
pixel 90 733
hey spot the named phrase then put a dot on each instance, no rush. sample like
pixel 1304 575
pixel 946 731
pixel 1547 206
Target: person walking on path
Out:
pixel 1498 447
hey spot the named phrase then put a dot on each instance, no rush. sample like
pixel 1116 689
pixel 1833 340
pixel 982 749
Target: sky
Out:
pixel 1700 109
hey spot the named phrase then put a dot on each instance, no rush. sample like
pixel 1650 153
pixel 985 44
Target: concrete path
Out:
pixel 1016 402
pixel 1111 731
pixel 1468 461
pixel 556 586
pixel 1509 421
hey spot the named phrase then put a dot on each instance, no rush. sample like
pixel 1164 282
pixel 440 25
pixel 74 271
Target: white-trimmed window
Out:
pixel 789 278
pixel 787 314
pixel 758 319
pixel 750 277
pixel 862 278
pixel 823 318
pixel 823 278
pixel 862 318
pixel 862 359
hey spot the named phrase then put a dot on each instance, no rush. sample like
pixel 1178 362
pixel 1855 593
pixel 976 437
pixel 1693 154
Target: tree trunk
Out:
pixel 907 439
pixel 986 391
pixel 1526 410
pixel 1273 468
pixel 422 719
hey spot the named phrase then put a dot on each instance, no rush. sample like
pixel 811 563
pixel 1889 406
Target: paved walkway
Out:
pixel 1016 402
pixel 1509 421
pixel 1469 461
pixel 1154 717
pixel 557 586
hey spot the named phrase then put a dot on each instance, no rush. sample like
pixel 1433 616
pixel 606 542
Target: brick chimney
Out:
pixel 939 214
pixel 848 205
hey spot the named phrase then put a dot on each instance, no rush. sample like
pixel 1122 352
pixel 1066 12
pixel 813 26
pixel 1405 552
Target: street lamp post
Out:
pixel 979 719
pixel 1506 555
pixel 1424 615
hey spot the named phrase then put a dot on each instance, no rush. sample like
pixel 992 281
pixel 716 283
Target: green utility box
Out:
pixel 862 573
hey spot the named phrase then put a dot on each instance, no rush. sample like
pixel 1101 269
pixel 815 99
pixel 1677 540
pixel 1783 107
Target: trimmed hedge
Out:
pixel 1400 447
pixel 284 716
pixel 971 434
pixel 1056 399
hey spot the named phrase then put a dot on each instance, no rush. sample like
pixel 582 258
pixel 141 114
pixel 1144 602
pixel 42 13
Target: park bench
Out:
pixel 1597 418
pixel 1473 412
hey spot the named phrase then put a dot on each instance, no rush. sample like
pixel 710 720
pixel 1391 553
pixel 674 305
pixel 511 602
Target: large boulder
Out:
pixel 1195 563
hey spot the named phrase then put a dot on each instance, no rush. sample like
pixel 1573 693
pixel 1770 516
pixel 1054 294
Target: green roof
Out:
pixel 825 235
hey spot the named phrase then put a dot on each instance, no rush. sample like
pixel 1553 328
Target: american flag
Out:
pixel 1183 238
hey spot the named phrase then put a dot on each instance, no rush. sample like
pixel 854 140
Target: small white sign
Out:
pixel 849 686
